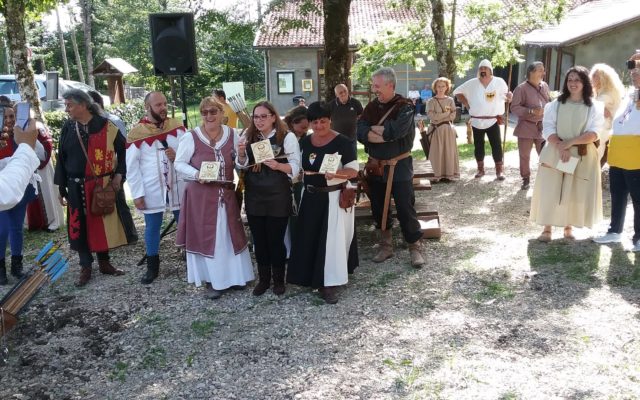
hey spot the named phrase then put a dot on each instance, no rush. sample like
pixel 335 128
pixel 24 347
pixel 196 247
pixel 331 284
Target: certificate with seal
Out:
pixel 262 151
pixel 209 170
pixel 330 163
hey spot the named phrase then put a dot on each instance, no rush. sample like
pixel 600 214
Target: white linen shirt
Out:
pixel 187 147
pixel 291 149
pixel 595 118
pixel 484 102
pixel 151 175
pixel 15 174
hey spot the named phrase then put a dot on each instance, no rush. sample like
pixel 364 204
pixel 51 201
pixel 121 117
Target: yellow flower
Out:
pixel 99 155
pixel 98 169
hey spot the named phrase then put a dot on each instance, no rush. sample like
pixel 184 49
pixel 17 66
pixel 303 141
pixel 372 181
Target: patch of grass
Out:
pixel 317 301
pixel 203 328
pixel 494 290
pixel 510 395
pixel 407 373
pixel 190 357
pixel 465 151
pixel 159 324
pixel 622 271
pixel 383 280
pixel 577 262
pixel 119 372
pixel 155 357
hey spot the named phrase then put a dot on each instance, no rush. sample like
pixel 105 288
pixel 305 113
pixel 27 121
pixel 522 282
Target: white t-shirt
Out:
pixel 484 101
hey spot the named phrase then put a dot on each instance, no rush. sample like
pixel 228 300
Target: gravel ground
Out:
pixel 493 315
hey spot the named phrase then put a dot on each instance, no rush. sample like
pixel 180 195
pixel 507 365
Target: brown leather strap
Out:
pixel 387 194
pixel 386 115
pixel 485 116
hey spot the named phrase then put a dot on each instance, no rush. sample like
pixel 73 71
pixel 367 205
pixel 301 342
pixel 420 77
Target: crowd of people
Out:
pixel 297 174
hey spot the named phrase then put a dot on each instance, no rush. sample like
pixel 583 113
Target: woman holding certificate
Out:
pixel 567 190
pixel 324 249
pixel 210 227
pixel 271 156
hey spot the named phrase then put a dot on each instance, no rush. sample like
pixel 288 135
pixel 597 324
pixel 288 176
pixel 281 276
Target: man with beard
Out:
pixel 154 183
pixel 387 130
pixel 484 97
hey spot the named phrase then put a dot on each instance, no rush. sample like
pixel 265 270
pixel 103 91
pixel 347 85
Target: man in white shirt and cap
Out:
pixel 485 98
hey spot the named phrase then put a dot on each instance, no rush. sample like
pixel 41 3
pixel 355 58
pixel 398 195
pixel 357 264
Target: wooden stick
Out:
pixel 506 122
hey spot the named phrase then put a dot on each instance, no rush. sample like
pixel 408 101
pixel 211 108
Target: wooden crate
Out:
pixel 430 225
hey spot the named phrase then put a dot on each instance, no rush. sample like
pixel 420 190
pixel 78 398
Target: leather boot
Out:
pixel 84 277
pixel 278 281
pixel 525 184
pixel 386 247
pixel 153 269
pixel 480 172
pixel 3 273
pixel 499 171
pixel 417 261
pixel 328 293
pixel 16 266
pixel 264 276
pixel 106 268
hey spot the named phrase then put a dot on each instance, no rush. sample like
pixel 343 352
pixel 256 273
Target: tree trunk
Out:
pixel 14 14
pixel 63 49
pixel 336 45
pixel 86 6
pixel 74 44
pixel 451 63
pixel 439 36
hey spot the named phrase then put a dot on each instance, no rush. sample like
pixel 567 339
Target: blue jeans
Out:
pixel 622 183
pixel 152 225
pixel 11 224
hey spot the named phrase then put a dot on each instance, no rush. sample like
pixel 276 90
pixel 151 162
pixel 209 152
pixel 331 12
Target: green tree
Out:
pixel 335 14
pixel 491 29
pixel 15 14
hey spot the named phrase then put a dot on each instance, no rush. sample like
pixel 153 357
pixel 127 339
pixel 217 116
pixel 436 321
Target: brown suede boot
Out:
pixel 386 247
pixel 499 171
pixel 480 172
pixel 329 295
pixel 264 276
pixel 106 268
pixel 84 277
pixel 417 261
pixel 278 281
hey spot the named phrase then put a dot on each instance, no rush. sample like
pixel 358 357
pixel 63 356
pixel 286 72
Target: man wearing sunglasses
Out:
pixel 155 186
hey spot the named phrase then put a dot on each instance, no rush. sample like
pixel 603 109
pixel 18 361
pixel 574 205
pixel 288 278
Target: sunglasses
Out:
pixel 212 112
pixel 262 116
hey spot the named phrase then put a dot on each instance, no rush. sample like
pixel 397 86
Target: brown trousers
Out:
pixel 524 149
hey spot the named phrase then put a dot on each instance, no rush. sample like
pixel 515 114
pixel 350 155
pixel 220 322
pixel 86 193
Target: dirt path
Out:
pixel 494 315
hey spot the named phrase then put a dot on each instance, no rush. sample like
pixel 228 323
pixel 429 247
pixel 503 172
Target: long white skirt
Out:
pixel 225 269
pixel 49 193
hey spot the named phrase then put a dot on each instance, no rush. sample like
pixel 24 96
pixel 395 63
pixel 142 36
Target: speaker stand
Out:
pixel 184 102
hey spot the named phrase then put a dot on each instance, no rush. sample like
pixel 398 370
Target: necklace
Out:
pixel 214 139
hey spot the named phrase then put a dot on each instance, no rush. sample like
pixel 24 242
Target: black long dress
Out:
pixel 324 249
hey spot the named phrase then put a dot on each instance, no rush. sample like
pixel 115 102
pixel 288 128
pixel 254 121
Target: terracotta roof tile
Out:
pixel 367 17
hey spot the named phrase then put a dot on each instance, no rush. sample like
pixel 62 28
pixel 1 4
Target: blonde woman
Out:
pixel 608 89
pixel 443 151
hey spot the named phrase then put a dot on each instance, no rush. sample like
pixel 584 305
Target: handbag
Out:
pixel 373 167
pixel 103 199
pixel 347 198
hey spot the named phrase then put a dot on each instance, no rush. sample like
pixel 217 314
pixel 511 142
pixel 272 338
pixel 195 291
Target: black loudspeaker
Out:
pixel 173 44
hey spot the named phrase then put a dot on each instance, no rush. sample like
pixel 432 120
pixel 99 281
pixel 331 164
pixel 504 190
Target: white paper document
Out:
pixel 330 163
pixel 568 167
pixel 262 151
pixel 209 170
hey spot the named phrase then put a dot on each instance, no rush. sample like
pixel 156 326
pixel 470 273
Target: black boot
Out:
pixel 264 280
pixel 16 266
pixel 3 273
pixel 153 268
pixel 278 281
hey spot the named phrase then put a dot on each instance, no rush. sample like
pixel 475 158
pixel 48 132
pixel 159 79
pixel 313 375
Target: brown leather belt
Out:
pixel 323 189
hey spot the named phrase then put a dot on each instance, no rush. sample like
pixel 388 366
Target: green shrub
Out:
pixel 54 121
pixel 130 112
